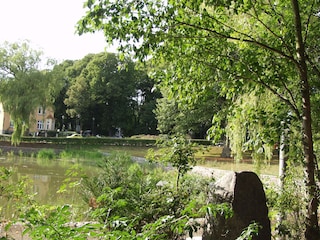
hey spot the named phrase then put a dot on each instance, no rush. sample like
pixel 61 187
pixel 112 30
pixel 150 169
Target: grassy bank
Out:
pixel 210 156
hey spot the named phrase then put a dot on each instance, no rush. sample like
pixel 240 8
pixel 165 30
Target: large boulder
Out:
pixel 245 194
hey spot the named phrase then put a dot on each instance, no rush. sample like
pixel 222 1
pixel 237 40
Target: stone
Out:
pixel 244 193
pixel 226 151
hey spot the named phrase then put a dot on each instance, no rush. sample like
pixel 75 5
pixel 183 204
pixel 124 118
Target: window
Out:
pixel 40 124
pixel 48 124
pixel 41 111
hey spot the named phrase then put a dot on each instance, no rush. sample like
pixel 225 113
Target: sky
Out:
pixel 50 27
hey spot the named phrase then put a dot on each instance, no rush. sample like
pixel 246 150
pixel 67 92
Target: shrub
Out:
pixel 287 204
pixel 53 222
pixel 176 151
pixel 12 192
pixel 135 199
pixel 46 154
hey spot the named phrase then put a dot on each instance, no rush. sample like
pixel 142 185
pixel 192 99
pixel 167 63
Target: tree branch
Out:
pixel 256 17
pixel 250 41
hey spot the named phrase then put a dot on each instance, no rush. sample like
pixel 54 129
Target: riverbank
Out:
pixel 27 148
pixel 16 230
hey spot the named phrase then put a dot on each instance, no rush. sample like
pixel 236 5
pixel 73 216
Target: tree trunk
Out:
pixel 282 173
pixel 312 226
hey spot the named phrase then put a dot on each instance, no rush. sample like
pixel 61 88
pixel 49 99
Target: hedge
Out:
pixel 103 141
pixel 92 141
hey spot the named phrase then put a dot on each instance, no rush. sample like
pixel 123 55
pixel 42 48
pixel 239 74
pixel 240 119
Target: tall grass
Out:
pixel 49 154
pixel 46 154
pixel 81 154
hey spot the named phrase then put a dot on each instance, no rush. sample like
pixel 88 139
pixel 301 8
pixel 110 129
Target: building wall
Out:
pixel 1 118
pixel 41 119
pixel 5 126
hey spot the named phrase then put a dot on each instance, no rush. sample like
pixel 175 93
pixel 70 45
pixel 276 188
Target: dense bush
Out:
pixel 141 201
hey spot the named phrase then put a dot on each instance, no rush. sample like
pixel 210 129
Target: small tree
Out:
pixel 178 152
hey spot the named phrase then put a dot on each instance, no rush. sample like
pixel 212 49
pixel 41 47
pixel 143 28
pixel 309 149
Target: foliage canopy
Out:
pixel 106 92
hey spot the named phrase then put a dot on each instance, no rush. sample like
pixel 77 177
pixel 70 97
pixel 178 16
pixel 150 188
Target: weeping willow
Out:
pixel 23 86
pixel 253 125
pixel 19 130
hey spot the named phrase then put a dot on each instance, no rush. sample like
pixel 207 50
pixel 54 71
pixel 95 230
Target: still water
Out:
pixel 46 177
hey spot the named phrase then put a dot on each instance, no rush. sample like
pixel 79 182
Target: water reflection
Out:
pixel 47 176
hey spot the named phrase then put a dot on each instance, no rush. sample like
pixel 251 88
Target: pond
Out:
pixel 45 177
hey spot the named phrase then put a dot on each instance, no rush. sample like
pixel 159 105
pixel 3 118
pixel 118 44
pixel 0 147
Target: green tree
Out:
pixel 60 73
pixel 243 45
pixel 176 116
pixel 23 86
pixel 254 124
pixel 147 95
pixel 113 85
pixel 113 92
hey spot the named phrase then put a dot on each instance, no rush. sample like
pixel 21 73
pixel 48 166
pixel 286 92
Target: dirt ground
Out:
pixel 13 233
